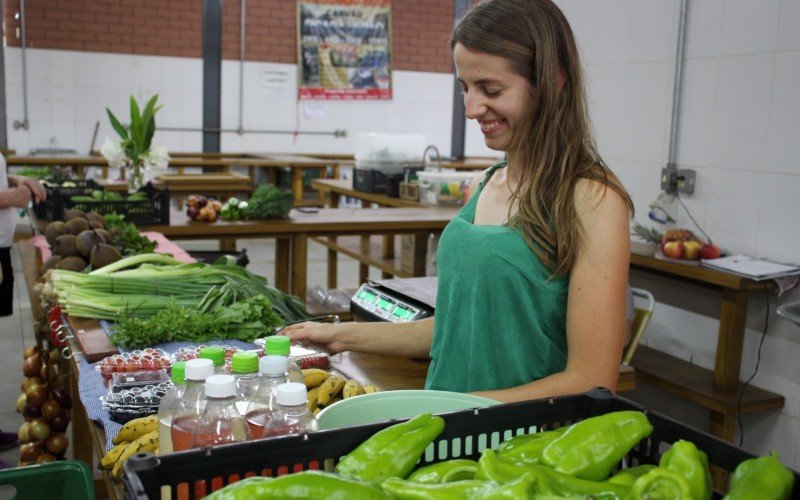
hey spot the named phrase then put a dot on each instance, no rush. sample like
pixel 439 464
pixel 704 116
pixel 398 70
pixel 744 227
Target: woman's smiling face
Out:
pixel 500 99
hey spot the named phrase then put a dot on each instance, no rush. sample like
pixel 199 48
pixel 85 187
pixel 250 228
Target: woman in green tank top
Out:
pixel 533 270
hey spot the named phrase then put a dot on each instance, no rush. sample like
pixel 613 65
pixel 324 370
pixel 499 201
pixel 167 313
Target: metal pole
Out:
pixel 212 73
pixel 24 42
pixel 676 93
pixel 459 130
pixel 241 67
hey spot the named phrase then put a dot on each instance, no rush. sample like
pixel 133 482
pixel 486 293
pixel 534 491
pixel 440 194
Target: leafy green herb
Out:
pixel 126 237
pixel 269 202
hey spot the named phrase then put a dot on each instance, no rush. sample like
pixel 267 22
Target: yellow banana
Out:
pixel 352 388
pixel 369 389
pixel 313 377
pixel 110 458
pixel 136 428
pixel 317 410
pixel 146 442
pixel 312 398
pixel 329 389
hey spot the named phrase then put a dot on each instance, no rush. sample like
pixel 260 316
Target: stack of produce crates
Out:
pixel 466 434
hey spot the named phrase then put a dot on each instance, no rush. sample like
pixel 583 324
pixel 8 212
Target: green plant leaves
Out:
pixel 138 137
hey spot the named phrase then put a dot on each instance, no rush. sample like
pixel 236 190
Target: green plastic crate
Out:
pixel 66 479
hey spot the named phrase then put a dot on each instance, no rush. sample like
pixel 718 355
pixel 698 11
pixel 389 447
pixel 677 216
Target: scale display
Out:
pixel 377 305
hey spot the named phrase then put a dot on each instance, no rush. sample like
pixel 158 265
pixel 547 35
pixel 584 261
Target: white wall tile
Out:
pixel 654 28
pixel 39 102
pixel 580 15
pixel 789 26
pixel 696 125
pixel 609 92
pixel 648 112
pixel 611 33
pixel 641 180
pixel 778 223
pixel 783 143
pixel 771 431
pixel 749 27
pixel 731 217
pixel 742 112
pixel 38 66
pixel 13 65
pixel 704 28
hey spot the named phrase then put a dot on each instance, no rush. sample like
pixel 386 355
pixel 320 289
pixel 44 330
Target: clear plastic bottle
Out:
pixel 244 368
pixel 291 416
pixel 280 345
pixel 273 374
pixel 221 422
pixel 168 405
pixel 193 402
pixel 217 355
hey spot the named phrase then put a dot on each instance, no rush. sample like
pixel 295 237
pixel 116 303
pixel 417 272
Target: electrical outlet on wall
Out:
pixel 680 180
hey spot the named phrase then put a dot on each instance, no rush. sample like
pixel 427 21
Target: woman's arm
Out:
pixel 412 339
pixel 15 197
pixel 37 191
pixel 597 289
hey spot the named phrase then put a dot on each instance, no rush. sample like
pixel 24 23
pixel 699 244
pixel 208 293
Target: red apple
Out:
pixel 709 251
pixel 691 249
pixel 673 249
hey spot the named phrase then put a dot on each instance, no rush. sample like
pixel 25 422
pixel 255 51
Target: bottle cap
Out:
pixel 272 365
pixel 292 394
pixel 213 352
pixel 220 386
pixel 199 369
pixel 179 372
pixel 244 362
pixel 278 344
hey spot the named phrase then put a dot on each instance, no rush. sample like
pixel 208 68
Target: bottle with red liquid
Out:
pixel 193 402
pixel 221 422
pixel 292 415
pixel 262 405
pixel 244 368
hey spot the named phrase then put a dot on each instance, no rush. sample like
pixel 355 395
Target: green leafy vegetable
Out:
pixel 269 202
pixel 126 237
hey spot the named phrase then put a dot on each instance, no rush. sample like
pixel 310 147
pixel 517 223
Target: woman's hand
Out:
pixel 33 186
pixel 322 334
pixel 17 197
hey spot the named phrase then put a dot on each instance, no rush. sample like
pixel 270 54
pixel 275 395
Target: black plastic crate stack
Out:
pixel 375 181
pixel 153 211
pixel 56 203
pixel 466 434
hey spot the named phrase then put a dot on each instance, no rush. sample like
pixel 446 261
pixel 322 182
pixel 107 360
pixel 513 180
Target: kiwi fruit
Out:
pixel 53 231
pixel 104 234
pixel 95 220
pixel 76 264
pixel 85 241
pixel 76 226
pixel 74 213
pixel 51 263
pixel 103 255
pixel 64 246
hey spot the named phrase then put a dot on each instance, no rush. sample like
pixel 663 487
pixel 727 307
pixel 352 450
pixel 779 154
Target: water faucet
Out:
pixel 425 158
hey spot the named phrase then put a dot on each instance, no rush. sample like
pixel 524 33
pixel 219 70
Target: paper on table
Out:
pixel 750 267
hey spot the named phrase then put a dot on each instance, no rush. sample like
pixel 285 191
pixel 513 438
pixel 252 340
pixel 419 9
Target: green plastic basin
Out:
pixel 383 406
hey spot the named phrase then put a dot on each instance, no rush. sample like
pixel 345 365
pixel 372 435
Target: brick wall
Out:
pixel 155 27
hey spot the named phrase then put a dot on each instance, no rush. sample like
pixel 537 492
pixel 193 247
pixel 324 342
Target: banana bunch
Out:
pixel 325 388
pixel 138 435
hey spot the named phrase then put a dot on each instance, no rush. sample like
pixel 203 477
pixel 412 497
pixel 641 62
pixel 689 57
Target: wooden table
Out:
pixel 717 390
pixel 223 185
pixel 292 234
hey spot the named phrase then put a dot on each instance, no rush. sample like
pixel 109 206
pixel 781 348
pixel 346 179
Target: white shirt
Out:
pixel 7 216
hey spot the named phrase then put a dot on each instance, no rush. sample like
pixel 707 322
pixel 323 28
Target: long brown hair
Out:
pixel 555 149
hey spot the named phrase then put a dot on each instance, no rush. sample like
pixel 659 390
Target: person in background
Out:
pixel 533 270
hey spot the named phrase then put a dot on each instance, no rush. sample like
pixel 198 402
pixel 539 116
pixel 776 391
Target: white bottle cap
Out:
pixel 220 386
pixel 272 365
pixel 199 369
pixel 292 394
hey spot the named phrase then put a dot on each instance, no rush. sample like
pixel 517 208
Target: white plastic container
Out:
pixel 389 152
pixel 444 188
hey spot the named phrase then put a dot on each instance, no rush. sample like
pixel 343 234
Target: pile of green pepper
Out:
pixel 570 462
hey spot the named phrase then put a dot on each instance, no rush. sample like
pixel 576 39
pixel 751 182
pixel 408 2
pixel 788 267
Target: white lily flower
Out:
pixel 113 154
pixel 157 159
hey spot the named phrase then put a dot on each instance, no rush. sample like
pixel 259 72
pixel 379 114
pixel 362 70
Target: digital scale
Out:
pixel 396 300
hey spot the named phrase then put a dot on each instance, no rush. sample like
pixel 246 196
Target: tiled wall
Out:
pixel 739 129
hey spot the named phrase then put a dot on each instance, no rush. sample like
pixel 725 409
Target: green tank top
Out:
pixel 500 321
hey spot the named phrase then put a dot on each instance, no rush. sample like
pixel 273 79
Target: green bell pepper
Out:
pixel 492 467
pixel 762 478
pixel 409 490
pixel 661 483
pixel 527 448
pixel 590 448
pixel 629 476
pixel 391 452
pixel 524 487
pixel 307 485
pixel 445 472
pixel 685 459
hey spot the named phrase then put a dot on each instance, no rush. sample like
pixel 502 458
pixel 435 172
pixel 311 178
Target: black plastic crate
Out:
pixel 55 204
pixel 211 256
pixel 154 211
pixel 375 181
pixel 466 434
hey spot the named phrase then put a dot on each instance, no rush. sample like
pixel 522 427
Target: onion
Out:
pixel 39 430
pixel 30 452
pixel 23 433
pixel 51 409
pixel 21 400
pixel 45 457
pixel 60 395
pixel 29 351
pixel 37 394
pixel 32 365
pixel 32 412
pixel 57 444
pixel 59 423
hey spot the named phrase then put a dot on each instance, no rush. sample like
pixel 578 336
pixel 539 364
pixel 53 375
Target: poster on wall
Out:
pixel 344 49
